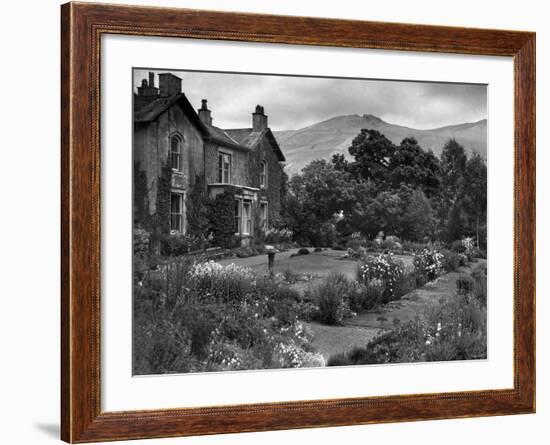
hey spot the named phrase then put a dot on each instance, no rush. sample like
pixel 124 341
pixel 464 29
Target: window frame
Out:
pixel 221 167
pixel 264 221
pixel 180 214
pixel 246 220
pixel 238 215
pixel 263 174
pixel 179 154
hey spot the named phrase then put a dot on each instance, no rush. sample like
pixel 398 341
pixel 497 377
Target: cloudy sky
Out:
pixel 296 102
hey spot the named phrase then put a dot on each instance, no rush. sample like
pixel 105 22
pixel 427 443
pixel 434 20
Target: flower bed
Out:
pixel 200 317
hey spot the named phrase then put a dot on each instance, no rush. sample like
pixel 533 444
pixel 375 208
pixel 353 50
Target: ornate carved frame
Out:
pixel 82 26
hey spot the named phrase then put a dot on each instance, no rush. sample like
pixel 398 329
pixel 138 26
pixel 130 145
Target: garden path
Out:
pixel 358 331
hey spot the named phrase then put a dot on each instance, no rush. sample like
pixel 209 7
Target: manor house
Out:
pixel 170 134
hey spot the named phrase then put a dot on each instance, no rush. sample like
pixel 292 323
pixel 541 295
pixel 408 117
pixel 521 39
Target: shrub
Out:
pixel 451 260
pixel 141 242
pixel 454 330
pixel 355 241
pixel 175 244
pixel 303 251
pixel 405 284
pixel 385 268
pixel 464 284
pixel 245 252
pixel 428 262
pixel 318 249
pixel 217 318
pixel 458 247
pixel 411 246
pixel 479 253
pixel 220 213
pixel 274 235
pixel 330 298
pixel 479 291
pixel 373 294
pixel 226 284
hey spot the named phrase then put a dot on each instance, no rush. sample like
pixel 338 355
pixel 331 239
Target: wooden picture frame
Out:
pixel 82 26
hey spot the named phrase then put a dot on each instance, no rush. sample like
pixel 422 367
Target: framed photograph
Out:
pixel 274 222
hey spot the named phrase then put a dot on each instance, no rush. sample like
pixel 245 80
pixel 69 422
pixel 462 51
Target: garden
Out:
pixel 381 259
pixel 201 316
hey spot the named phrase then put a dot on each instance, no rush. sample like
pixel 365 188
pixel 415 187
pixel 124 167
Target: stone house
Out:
pixel 177 148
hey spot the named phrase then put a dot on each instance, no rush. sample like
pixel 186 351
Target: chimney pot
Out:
pixel 259 119
pixel 204 113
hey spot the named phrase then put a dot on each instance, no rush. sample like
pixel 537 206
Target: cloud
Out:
pixel 295 102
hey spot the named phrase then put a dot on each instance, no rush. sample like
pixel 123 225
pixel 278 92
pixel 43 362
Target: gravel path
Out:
pixel 358 331
pixel 330 340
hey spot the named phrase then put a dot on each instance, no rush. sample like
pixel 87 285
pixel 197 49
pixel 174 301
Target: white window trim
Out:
pixel 230 170
pixel 263 172
pixel 239 216
pixel 180 152
pixel 183 208
pixel 265 222
pixel 244 220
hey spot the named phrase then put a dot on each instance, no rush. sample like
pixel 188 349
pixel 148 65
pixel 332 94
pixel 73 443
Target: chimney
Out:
pixel 148 89
pixel 204 113
pixel 169 84
pixel 259 119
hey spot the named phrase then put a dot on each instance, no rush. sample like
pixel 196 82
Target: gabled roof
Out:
pixel 154 109
pixel 250 138
pixel 151 111
pixel 222 137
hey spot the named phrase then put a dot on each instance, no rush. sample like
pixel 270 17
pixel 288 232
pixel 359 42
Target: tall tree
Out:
pixel 412 166
pixel 417 221
pixel 372 152
pixel 475 192
pixel 453 165
pixel 323 190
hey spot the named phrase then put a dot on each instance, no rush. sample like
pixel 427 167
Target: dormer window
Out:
pixel 263 174
pixel 175 153
pixel 224 168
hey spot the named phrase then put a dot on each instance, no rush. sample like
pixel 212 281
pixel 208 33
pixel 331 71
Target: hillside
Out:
pixel 322 140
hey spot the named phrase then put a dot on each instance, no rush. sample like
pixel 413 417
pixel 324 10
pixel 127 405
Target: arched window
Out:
pixel 175 153
pixel 263 174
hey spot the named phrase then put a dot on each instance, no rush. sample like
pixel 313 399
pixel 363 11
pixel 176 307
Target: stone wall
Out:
pixel 272 193
pixel 151 153
pixel 239 164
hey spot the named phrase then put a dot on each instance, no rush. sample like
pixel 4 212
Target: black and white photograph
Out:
pixel 284 221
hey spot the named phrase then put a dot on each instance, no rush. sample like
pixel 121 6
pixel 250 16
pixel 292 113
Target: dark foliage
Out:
pixel 221 218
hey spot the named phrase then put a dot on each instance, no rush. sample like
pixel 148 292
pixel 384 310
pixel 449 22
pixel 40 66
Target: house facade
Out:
pixel 177 148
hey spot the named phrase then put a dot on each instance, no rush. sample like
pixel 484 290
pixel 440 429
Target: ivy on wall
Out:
pixel 197 209
pixel 157 224
pixel 221 217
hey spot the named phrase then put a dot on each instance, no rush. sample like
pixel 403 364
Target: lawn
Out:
pixel 316 265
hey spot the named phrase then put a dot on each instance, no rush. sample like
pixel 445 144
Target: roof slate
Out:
pixel 250 138
pixel 239 138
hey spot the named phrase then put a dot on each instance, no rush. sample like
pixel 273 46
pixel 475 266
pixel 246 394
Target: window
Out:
pixel 224 168
pixel 247 220
pixel 263 174
pixel 243 217
pixel 175 153
pixel 237 216
pixel 263 215
pixel 176 212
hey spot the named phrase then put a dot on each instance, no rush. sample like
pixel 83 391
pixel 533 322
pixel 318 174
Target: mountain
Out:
pixel 322 140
